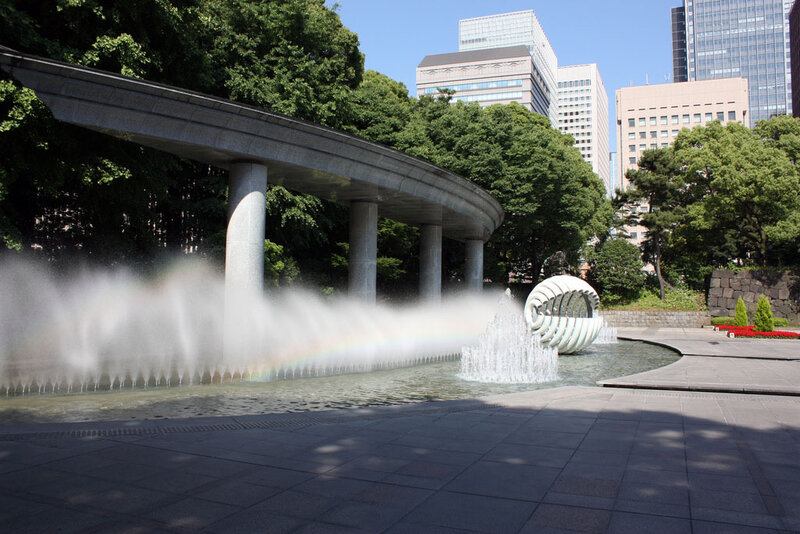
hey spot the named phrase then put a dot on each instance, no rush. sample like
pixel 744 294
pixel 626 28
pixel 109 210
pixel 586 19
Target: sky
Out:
pixel 630 40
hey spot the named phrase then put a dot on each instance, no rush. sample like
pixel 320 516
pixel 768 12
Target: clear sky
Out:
pixel 630 40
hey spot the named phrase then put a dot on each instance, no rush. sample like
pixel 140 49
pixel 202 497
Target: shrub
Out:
pixel 779 322
pixel 741 313
pixel 763 321
pixel 618 270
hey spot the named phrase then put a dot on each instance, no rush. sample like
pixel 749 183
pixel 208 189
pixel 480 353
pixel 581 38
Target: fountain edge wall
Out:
pixel 656 318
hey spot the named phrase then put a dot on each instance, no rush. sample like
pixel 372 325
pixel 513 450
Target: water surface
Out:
pixel 431 382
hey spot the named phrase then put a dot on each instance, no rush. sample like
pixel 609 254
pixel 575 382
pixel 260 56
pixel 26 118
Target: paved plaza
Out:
pixel 680 455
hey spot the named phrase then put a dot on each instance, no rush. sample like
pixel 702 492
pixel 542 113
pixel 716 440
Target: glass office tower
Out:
pixel 747 38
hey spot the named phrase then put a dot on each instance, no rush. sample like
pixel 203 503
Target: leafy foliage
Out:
pixel 551 198
pixel 618 271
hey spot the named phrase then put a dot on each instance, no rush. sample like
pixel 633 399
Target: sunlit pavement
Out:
pixel 602 459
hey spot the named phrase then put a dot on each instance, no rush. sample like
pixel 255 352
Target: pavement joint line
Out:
pixel 701 389
pixel 114 428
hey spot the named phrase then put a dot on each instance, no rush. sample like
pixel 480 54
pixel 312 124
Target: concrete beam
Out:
pixel 430 263
pixel 473 268
pixel 363 261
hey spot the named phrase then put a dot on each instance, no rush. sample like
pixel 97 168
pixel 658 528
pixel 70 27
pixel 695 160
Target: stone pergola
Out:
pixel 253 144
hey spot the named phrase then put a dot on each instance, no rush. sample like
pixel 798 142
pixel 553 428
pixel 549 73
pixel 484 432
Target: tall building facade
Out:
pixel 679 70
pixel 491 76
pixel 583 113
pixel 651 116
pixel 740 38
pixel 511 29
pixel 794 44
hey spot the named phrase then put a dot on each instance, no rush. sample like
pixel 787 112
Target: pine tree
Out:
pixel 741 313
pixel 763 320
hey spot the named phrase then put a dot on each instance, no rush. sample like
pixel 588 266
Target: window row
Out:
pixel 575 83
pixel 474 86
pixel 490 96
pixel 686 118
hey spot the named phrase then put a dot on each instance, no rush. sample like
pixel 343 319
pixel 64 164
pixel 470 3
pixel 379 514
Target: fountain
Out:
pixel 114 330
pixel 509 352
pixel 607 335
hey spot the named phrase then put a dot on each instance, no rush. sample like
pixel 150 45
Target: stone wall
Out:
pixel 781 287
pixel 656 318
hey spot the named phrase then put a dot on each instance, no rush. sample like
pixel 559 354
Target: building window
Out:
pixel 674 133
pixel 663 119
pixel 631 123
pixel 653 146
pixel 720 116
pixel 664 133
pixel 642 135
pixel 642 121
pixel 643 147
pixel 697 117
pixel 634 235
pixel 731 115
pixel 631 148
pixel 653 134
pixel 631 135
pixel 632 159
pixel 709 116
pixel 674 119
pixel 686 119
pixel 664 145
pixel 652 121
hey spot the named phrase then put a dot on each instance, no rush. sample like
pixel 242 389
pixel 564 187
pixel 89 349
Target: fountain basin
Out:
pixel 421 383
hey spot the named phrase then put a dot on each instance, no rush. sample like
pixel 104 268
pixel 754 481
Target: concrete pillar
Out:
pixel 473 268
pixel 430 263
pixel 247 213
pixel 363 250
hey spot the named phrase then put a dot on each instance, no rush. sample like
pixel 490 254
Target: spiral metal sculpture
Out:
pixel 564 311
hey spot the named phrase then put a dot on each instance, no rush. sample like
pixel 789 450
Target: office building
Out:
pixel 511 29
pixel 651 116
pixel 492 76
pixel 739 38
pixel 679 71
pixel 583 113
pixel 794 44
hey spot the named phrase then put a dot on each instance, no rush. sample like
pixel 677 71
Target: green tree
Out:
pixel 551 198
pixel 658 182
pixel 741 313
pixel 763 321
pixel 63 188
pixel 380 109
pixel 618 270
pixel 739 185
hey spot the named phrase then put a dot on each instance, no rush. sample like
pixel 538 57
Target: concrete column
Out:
pixel 363 250
pixel 430 263
pixel 247 213
pixel 473 268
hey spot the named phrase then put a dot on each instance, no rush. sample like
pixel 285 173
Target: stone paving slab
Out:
pixel 565 459
pixel 713 362
pixel 706 342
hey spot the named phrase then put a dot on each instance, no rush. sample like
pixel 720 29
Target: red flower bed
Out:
pixel 748 331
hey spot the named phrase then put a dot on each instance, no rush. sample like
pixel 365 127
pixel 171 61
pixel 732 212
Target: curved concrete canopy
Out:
pixel 300 155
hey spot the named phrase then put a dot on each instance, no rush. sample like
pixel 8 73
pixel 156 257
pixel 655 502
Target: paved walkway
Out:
pixel 559 460
pixel 714 362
